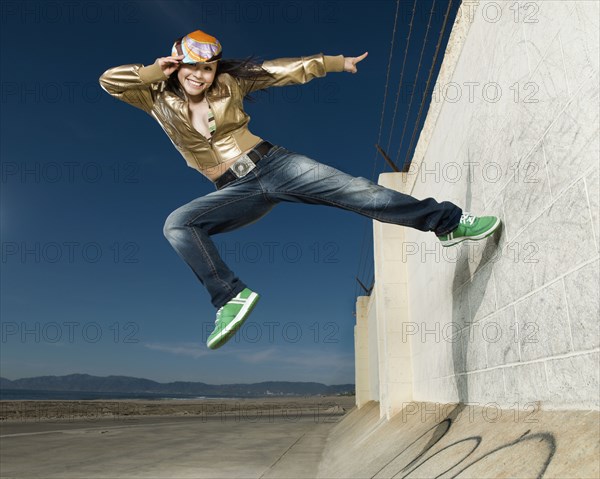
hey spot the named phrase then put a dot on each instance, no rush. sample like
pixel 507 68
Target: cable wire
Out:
pixel 425 95
pixel 387 148
pixel 410 26
pixel 372 272
pixel 362 252
pixel 412 95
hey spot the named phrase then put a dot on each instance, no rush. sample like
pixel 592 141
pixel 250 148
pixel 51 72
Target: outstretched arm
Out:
pixel 293 71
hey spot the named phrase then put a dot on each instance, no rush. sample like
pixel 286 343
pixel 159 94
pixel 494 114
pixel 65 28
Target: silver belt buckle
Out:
pixel 242 166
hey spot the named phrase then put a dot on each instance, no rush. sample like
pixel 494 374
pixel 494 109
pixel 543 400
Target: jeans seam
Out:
pixel 208 260
pixel 188 223
pixel 201 246
pixel 378 218
pixel 264 192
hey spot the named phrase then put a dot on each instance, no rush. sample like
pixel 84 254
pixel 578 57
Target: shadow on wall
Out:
pixel 460 347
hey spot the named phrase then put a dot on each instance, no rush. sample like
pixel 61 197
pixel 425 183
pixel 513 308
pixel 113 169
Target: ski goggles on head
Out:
pixel 197 47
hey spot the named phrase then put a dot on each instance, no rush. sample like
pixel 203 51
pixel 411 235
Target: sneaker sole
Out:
pixel 228 331
pixel 473 238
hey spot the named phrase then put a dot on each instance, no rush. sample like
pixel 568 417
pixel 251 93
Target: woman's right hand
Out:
pixel 169 64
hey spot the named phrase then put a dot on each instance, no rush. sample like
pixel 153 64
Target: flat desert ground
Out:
pixel 273 437
pixel 14 412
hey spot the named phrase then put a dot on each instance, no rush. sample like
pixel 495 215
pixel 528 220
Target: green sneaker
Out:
pixel 231 316
pixel 470 228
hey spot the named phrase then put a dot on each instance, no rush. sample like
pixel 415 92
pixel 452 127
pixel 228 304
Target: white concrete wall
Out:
pixel 391 301
pixel 366 351
pixel 373 364
pixel 512 131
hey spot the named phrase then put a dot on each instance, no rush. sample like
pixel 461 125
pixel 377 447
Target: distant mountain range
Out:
pixel 125 384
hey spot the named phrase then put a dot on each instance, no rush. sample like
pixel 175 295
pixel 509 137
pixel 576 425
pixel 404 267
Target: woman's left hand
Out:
pixel 350 62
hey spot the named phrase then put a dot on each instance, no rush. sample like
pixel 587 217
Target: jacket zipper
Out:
pixel 209 141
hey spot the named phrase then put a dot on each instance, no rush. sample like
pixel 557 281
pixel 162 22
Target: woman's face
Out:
pixel 196 79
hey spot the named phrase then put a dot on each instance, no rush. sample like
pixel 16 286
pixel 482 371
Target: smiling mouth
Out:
pixel 195 83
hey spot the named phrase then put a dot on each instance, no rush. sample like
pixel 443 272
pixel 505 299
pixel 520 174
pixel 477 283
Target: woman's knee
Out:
pixel 174 223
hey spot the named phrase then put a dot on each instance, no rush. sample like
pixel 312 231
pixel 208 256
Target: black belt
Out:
pixel 242 166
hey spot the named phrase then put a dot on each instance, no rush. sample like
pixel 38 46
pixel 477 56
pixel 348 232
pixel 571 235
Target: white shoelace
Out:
pixel 238 296
pixel 219 314
pixel 467 218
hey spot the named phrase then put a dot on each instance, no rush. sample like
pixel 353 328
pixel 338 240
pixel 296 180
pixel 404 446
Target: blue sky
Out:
pixel 89 284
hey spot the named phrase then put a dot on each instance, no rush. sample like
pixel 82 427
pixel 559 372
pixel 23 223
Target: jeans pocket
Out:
pixel 273 151
pixel 269 155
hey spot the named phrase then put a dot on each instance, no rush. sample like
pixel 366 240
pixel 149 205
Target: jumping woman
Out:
pixel 198 100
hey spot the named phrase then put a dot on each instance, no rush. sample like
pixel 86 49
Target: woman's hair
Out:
pixel 247 69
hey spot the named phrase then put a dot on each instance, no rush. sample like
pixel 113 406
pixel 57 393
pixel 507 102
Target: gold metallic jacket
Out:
pixel 144 88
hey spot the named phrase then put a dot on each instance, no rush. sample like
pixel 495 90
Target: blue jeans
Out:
pixel 283 175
